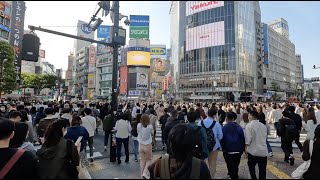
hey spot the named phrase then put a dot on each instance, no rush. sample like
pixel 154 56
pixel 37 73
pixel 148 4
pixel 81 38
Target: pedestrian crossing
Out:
pixel 96 154
pixel 273 139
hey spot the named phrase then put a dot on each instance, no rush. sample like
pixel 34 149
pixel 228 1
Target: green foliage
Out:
pixel 9 74
pixel 310 94
pixel 38 81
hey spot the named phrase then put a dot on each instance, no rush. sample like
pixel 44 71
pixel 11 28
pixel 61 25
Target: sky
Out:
pixel 302 17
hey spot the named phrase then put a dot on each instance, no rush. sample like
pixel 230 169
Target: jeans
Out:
pixel 125 142
pixel 269 147
pixel 135 148
pixel 90 143
pixel 106 137
pixel 233 161
pixel 145 152
pixel 262 163
pixel 287 149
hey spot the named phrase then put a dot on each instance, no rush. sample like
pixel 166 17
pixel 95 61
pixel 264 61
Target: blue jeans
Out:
pixel 135 148
pixel 269 147
pixel 125 142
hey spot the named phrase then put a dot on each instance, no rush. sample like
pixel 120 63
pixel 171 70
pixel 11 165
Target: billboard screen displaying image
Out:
pixel 207 35
pixel 138 58
pixel 142 81
pixel 158 65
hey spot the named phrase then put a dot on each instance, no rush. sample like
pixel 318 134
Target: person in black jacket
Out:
pixel 298 121
pixel 163 119
pixel 222 115
pixel 170 125
pixel 287 131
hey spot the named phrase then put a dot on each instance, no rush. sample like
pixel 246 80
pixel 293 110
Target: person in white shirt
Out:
pixel 145 133
pixel 89 123
pixel 275 115
pixel 135 109
pixel 310 125
pixel 123 129
pixel 256 145
pixel 153 122
pixel 318 114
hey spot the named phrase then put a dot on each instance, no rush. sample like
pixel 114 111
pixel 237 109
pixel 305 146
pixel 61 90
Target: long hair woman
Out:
pixel 134 133
pixel 145 133
pixel 58 157
pixel 310 124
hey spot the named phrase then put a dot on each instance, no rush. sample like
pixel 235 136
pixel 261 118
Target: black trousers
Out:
pixel 297 141
pixel 233 162
pixel 286 148
pixel 262 163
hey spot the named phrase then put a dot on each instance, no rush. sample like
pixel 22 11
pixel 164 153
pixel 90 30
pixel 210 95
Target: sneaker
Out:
pixel 127 160
pixel 286 161
pixel 271 154
pixel 136 160
pixel 91 160
pixel 291 159
pixel 119 161
pixel 105 148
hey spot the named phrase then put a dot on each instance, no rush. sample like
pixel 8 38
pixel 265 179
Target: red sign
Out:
pixel 198 6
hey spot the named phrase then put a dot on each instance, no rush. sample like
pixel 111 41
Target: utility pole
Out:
pixel 114 94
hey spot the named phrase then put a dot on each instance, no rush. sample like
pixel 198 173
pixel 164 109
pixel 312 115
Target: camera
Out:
pixel 127 22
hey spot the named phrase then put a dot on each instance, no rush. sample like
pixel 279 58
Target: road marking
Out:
pixel 277 172
pixel 95 166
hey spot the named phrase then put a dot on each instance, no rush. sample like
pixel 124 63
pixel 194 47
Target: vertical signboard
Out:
pixel 259 60
pixel 104 33
pixel 90 80
pixel 92 59
pixel 17 30
pixel 139 27
pixel 123 80
pixel 265 44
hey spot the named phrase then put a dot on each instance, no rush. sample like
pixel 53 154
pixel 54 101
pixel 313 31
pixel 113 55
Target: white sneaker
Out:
pixel 271 154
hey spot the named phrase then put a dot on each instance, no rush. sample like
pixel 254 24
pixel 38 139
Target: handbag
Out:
pixel 83 172
pixel 303 168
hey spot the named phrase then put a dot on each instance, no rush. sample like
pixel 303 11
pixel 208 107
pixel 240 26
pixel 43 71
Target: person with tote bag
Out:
pixel 310 168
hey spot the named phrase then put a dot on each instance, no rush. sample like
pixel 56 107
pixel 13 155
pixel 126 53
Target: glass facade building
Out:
pixel 222 50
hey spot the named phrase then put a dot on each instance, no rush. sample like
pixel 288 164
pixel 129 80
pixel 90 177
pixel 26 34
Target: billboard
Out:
pixel 104 33
pixel 205 36
pixel 83 31
pixel 265 44
pixel 142 81
pixel 198 6
pixel 123 79
pixel 17 27
pixel 139 20
pixel 90 80
pixel 138 58
pixel 141 32
pixel 158 65
pixel 92 59
pixel 158 51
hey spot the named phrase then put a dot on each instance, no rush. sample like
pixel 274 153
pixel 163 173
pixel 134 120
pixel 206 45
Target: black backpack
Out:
pixel 211 140
pixel 197 150
pixel 291 131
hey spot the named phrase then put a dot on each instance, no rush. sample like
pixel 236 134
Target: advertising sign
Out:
pixel 139 20
pixel 134 93
pixel 157 51
pixel 138 49
pixel 265 44
pixel 205 36
pixel 17 27
pixel 158 65
pixel 105 33
pixel 138 58
pixel 142 81
pixel 85 28
pixel 198 6
pixel 123 79
pixel 139 32
pixel 90 80
pixel 92 59
pixel 3 27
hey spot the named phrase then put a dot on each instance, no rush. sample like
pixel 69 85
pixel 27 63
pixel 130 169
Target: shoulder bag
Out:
pixel 4 171
pixel 303 168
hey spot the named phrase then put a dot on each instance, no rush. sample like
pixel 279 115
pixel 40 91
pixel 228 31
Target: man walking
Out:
pixel 298 121
pixel 214 135
pixel 233 144
pixel 256 145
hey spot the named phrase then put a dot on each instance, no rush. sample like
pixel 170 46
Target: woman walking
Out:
pixel 145 133
pixel 134 133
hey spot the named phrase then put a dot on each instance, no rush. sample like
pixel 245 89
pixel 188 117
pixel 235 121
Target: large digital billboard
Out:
pixel 142 81
pixel 198 6
pixel 158 65
pixel 138 58
pixel 207 35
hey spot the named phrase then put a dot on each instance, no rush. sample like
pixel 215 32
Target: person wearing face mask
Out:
pixel 58 157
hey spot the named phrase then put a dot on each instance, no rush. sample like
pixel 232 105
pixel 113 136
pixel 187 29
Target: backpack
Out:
pixel 69 164
pixel 165 168
pixel 197 150
pixel 211 140
pixel 290 131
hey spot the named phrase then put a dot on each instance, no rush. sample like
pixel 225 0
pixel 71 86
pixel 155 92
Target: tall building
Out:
pixel 312 88
pixel 281 66
pixel 59 73
pixel 81 73
pixel 177 38
pixel 220 51
pixel 69 75
pixel 5 19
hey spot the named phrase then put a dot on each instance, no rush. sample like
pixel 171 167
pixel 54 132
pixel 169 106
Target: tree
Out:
pixel 276 88
pixel 39 81
pixel 310 94
pixel 9 74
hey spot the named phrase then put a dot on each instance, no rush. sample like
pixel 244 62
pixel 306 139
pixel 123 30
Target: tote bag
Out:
pixel 303 168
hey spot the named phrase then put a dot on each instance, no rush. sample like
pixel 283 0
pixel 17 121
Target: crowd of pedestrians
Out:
pixel 193 135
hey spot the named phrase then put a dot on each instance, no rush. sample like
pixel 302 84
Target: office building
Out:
pixel 5 20
pixel 81 74
pixel 220 55
pixel 311 88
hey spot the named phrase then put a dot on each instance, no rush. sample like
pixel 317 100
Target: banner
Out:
pixel 105 33
pixel 138 20
pixel 17 28
pixel 139 32
pixel 142 81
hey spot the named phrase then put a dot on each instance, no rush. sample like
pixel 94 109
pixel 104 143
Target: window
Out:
pixel 106 77
pixel 105 84
pixel 106 69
